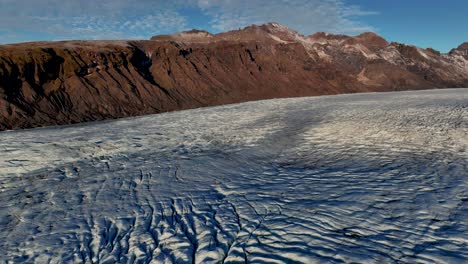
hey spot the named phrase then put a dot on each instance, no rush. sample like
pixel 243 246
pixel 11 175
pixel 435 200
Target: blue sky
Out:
pixel 438 24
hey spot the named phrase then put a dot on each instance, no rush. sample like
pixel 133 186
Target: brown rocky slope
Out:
pixel 50 83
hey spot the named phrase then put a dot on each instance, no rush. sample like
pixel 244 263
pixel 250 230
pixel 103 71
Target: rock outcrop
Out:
pixel 54 83
pixel 462 50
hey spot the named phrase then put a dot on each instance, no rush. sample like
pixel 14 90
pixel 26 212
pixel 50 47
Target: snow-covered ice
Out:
pixel 364 178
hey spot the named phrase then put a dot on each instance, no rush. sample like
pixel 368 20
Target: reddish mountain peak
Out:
pixel 318 35
pixel 269 31
pixel 325 37
pixel 265 32
pixel 367 35
pixel 193 35
pixel 463 46
pixel 461 50
pixel 373 37
pixel 270 26
pixel 370 40
pixel 275 27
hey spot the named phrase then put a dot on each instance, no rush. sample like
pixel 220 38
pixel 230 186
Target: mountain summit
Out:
pixel 193 35
pixel 268 31
pixel 368 39
pixel 461 50
pixel 48 83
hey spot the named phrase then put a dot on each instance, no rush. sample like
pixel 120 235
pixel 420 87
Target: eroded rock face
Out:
pixel 462 50
pixel 53 83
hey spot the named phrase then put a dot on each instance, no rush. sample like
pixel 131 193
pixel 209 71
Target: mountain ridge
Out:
pixel 54 83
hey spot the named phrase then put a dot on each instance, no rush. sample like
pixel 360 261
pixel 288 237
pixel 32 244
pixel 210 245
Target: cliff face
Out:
pixel 49 83
pixel 462 50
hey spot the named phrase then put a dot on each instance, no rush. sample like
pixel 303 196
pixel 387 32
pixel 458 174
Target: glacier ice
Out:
pixel 378 177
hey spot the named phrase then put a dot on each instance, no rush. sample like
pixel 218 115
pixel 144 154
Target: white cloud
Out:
pixel 86 19
pixel 114 19
pixel 162 20
pixel 306 16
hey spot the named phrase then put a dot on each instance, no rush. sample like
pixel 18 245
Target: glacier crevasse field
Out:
pixel 368 178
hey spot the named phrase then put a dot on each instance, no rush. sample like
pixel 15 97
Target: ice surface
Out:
pixel 367 178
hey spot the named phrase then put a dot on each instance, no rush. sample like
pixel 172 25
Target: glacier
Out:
pixel 363 178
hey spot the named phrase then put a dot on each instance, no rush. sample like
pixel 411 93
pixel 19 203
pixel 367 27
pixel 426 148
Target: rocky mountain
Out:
pixel 54 83
pixel 462 50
